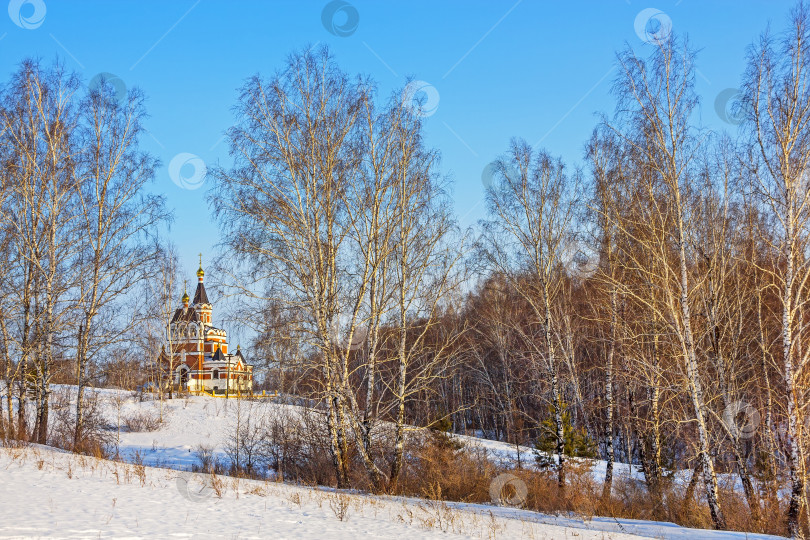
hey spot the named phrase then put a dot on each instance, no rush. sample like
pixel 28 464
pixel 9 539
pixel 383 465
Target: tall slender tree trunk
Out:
pixel 770 439
pixel 80 382
pixel 791 437
pixel 556 390
pixel 399 438
pixel 693 376
pixel 654 458
pixel 334 439
pixel 371 365
pixel 8 379
pixel 10 433
pixel 608 482
pixel 22 424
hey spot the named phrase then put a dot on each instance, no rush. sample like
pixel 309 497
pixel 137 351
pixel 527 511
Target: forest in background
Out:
pixel 647 308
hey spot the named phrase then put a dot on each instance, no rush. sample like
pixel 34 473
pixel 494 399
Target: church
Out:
pixel 199 359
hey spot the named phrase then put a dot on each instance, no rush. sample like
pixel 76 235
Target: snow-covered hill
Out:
pixel 46 492
pixel 52 494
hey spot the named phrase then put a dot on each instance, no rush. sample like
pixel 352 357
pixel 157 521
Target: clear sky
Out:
pixel 496 69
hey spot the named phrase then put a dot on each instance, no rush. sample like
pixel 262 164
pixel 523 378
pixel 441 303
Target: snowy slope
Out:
pixel 52 494
pixel 507 455
pixel 190 422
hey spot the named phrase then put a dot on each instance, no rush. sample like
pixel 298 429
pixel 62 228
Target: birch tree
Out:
pixel 656 102
pixel 777 109
pixel 425 266
pixel 39 119
pixel 283 207
pixel 603 152
pixel 117 221
pixel 531 204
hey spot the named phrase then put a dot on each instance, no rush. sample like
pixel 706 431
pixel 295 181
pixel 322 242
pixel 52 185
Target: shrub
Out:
pixel 95 438
pixel 246 445
pixel 141 421
pixel 207 461
pixel 439 466
pixel 285 445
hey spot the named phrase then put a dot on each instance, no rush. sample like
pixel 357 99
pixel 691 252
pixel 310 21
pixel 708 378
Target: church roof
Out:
pixel 200 297
pixel 218 356
pixel 185 314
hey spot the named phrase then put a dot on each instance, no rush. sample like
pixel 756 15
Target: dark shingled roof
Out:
pixel 200 297
pixel 186 315
pixel 218 356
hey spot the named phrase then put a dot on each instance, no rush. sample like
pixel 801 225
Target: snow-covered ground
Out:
pixel 52 494
pixel 48 493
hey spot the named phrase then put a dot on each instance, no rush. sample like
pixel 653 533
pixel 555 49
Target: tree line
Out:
pixel 652 301
pixel 648 308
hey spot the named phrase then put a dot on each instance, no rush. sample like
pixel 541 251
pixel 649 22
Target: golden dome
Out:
pixel 185 298
pixel 200 271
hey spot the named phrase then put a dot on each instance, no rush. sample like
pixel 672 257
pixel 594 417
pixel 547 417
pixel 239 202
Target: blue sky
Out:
pixel 534 69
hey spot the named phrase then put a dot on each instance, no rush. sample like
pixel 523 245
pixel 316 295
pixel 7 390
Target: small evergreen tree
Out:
pixel 440 434
pixel 577 441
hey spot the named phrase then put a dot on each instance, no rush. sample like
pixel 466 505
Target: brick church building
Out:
pixel 200 359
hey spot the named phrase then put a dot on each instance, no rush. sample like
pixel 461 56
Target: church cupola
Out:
pixel 185 298
pixel 200 271
pixel 201 303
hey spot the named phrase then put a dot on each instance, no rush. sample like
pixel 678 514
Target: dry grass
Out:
pixel 340 503
pixel 439 471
